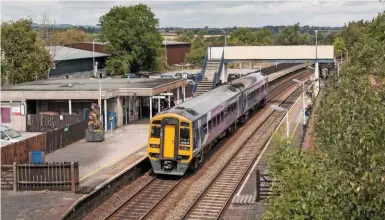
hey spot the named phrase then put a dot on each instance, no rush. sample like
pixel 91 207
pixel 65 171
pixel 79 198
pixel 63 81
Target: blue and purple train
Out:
pixel 180 136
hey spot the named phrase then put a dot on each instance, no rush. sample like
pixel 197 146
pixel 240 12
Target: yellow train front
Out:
pixel 170 144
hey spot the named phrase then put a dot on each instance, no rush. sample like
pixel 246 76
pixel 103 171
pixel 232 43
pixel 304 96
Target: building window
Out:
pixel 5 115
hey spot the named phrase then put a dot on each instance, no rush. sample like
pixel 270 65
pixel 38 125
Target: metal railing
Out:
pixel 218 73
pixel 200 75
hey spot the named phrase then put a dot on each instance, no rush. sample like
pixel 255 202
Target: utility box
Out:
pixel 37 157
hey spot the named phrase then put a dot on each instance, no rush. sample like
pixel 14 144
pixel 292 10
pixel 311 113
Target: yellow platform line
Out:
pixel 116 159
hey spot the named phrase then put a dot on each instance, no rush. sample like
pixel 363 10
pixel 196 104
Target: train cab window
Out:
pixel 155 129
pixel 210 125
pixel 184 124
pixel 184 136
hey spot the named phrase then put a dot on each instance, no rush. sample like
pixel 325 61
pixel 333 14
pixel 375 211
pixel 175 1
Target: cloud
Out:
pixel 204 13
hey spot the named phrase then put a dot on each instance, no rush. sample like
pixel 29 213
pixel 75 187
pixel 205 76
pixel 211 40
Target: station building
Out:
pixel 125 99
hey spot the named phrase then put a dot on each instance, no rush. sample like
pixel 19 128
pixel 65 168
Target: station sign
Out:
pixel 167 93
pixel 158 97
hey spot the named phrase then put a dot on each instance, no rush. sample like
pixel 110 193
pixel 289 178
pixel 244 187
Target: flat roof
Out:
pixel 69 53
pixel 171 42
pixel 88 88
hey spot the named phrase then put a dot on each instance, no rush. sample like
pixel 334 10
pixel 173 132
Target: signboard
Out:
pixel 16 110
pixel 61 117
pixel 99 103
pixel 158 97
pixel 66 129
pixel 166 93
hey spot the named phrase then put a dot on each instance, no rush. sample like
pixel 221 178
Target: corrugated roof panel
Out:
pixel 67 53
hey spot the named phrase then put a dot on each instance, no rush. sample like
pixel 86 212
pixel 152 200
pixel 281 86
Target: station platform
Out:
pixel 98 163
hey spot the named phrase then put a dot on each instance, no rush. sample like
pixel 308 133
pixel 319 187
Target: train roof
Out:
pixel 198 106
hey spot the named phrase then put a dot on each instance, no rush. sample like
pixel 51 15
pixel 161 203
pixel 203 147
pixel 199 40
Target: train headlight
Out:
pixel 184 148
pixel 154 145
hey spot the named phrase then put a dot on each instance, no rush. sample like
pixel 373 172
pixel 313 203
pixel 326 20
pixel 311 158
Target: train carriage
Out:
pixel 179 137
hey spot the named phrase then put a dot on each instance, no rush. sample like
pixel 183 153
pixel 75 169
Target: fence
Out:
pixel 49 176
pixel 48 142
pixel 263 186
pixel 62 137
pixel 44 123
pixel 19 151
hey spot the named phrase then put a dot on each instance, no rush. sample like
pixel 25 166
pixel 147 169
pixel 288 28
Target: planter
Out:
pixel 94 136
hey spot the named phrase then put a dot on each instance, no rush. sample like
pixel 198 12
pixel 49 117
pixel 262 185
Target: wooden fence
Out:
pixel 62 137
pixel 62 176
pixel 263 186
pixel 19 152
pixel 48 142
pixel 44 123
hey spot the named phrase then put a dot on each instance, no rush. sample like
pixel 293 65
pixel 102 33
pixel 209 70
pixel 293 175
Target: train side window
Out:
pixel 218 119
pixel 235 106
pixel 225 113
pixel 184 136
pixel 222 116
pixel 214 122
pixel 210 125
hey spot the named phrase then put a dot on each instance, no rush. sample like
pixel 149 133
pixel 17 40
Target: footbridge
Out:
pixel 214 70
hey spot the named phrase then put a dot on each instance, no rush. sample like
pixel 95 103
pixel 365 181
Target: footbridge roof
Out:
pixel 298 53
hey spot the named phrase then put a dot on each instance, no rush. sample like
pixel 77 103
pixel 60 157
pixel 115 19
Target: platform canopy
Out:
pixel 286 54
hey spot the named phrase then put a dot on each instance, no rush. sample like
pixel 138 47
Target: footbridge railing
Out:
pixel 218 74
pixel 200 75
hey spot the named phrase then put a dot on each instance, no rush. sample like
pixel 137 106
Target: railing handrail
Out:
pixel 201 74
pixel 218 73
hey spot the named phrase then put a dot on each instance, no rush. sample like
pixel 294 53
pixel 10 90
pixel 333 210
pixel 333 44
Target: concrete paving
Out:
pixel 94 156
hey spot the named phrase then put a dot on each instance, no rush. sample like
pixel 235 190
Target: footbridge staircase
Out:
pixel 209 77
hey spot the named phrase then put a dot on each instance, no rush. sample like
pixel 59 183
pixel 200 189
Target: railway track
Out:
pixel 145 200
pixel 211 203
pixel 141 204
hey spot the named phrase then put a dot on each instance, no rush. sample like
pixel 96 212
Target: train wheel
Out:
pixel 196 164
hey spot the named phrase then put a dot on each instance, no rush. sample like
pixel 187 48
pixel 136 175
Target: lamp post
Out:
pixel 93 55
pixel 303 98
pixel 100 92
pixel 277 108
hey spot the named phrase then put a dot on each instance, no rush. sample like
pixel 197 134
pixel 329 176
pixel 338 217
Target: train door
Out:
pixel 203 130
pixel 169 138
pixel 169 141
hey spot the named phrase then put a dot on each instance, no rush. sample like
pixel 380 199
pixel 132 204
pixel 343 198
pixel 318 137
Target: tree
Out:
pixel 134 41
pixel 291 35
pixel 263 37
pixel 70 36
pixel 186 36
pixel 24 58
pixel 197 53
pixel 339 45
pixel 343 177
pixel 243 36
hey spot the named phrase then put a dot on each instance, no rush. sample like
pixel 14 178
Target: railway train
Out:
pixel 179 137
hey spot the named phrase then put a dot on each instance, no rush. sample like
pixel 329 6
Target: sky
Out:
pixel 198 14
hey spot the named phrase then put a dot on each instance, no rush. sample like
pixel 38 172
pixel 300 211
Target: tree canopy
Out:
pixel 343 177
pixel 291 35
pixel 24 57
pixel 134 41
